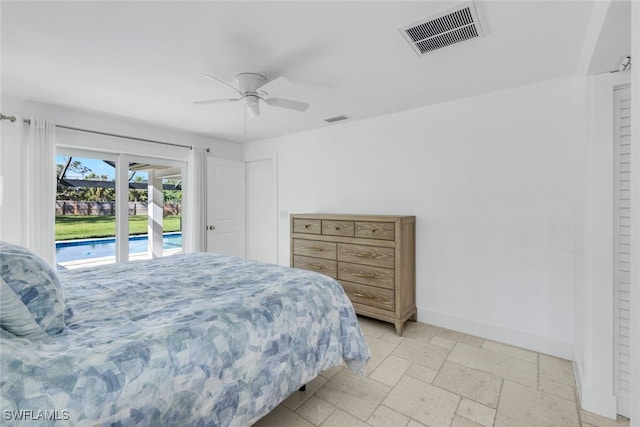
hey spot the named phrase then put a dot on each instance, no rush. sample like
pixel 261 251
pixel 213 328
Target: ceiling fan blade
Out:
pixel 221 82
pixel 287 103
pixel 216 101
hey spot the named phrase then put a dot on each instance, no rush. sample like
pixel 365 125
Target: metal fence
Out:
pixel 73 207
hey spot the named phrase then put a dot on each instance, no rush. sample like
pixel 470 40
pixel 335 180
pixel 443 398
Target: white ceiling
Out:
pixel 142 60
pixel 614 41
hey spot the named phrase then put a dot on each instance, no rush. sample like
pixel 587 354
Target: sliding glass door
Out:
pixel 116 207
pixel 155 209
pixel 85 209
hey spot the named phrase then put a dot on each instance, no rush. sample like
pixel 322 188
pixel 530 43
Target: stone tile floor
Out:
pixel 440 378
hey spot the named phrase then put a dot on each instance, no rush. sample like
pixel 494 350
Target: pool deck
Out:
pixel 93 262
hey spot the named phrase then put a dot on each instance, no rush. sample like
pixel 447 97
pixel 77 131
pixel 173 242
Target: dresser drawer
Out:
pixel 323 266
pixel 369 255
pixel 375 230
pixel 366 275
pixel 311 226
pixel 337 228
pixel 369 295
pixel 312 248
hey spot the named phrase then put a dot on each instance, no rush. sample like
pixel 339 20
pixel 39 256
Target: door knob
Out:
pixel 211 227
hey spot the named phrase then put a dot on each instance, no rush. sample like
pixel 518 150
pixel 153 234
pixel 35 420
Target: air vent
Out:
pixel 336 119
pixel 444 29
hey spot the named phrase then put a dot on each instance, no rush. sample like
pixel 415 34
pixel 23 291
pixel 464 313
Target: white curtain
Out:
pixel 29 193
pixel 40 181
pixel 194 232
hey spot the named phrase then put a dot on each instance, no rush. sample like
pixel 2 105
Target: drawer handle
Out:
pixel 373 230
pixel 365 275
pixel 364 255
pixel 315 249
pixel 317 266
pixel 338 227
pixel 307 226
pixel 356 294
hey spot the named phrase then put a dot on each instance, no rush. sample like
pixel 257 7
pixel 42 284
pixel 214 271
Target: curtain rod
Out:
pixel 13 119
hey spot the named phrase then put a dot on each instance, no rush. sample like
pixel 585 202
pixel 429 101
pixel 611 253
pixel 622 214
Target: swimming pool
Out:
pixel 73 250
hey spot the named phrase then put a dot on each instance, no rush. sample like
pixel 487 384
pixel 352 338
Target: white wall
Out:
pixel 491 180
pixel 121 126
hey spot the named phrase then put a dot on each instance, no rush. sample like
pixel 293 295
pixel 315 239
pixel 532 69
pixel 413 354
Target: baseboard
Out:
pixel 513 337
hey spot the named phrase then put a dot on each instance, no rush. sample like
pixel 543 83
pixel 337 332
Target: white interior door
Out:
pixel 262 210
pixel 622 247
pixel 225 207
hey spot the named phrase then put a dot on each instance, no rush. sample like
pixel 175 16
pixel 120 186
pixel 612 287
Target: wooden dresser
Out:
pixel 372 256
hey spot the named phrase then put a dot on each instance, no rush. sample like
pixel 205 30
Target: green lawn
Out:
pixel 87 226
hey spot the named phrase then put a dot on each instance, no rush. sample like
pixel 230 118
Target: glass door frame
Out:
pixel 122 187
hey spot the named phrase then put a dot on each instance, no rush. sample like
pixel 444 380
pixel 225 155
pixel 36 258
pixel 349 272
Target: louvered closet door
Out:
pixel 622 245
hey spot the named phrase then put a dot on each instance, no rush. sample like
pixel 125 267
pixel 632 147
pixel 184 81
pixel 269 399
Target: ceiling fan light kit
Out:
pixel 252 88
pixel 252 105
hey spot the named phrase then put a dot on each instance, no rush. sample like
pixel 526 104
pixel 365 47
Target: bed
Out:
pixel 188 340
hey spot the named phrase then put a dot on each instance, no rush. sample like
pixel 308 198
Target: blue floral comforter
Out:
pixel 188 340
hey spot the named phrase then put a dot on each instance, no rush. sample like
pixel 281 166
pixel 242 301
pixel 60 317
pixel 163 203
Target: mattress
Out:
pixel 192 339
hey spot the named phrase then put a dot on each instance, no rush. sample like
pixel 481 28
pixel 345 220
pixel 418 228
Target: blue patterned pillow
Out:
pixel 30 281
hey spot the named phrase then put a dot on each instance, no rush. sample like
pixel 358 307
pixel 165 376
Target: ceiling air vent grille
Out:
pixel 445 29
pixel 336 119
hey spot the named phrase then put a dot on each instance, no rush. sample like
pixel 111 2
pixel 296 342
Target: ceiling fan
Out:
pixel 252 89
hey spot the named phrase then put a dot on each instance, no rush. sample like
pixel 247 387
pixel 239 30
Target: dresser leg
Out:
pixel 399 327
pixel 414 317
